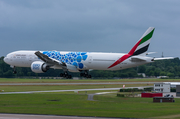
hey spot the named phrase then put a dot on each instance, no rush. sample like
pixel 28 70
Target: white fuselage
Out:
pixel 90 60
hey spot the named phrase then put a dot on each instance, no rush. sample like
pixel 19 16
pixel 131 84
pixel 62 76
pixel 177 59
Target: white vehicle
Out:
pixel 41 61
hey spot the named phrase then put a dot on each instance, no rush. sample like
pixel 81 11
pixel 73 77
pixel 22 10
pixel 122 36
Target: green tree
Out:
pixel 142 69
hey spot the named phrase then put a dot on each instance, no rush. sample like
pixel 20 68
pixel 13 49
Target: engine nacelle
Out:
pixel 39 67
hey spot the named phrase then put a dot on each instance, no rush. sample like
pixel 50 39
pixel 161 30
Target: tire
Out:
pixel 14 72
pixel 89 76
pixel 81 74
pixel 69 76
pixel 61 74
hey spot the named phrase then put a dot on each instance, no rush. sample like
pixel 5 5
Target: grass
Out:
pixel 22 88
pixel 77 104
pixel 16 80
pixel 71 103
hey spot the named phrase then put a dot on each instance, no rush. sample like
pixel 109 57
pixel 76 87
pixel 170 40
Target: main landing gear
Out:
pixel 82 74
pixel 65 75
pixel 85 74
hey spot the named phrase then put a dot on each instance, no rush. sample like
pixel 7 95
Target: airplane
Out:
pixel 83 62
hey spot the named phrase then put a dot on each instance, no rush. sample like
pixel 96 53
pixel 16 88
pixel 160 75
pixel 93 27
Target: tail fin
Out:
pixel 142 45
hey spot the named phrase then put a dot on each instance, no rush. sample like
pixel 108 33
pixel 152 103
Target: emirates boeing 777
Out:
pixel 41 61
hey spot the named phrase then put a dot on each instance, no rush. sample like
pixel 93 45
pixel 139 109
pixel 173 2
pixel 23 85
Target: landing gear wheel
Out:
pixel 14 72
pixel 85 74
pixel 89 76
pixel 69 76
pixel 81 74
pixel 65 75
pixel 61 74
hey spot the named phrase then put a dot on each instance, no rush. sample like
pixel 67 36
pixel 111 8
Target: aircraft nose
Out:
pixel 5 59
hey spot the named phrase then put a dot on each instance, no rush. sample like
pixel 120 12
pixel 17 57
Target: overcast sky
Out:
pixel 89 25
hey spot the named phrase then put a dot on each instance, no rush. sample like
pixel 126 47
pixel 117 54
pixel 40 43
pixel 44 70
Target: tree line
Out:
pixel 169 68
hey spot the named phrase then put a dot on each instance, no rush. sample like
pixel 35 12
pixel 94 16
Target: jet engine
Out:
pixel 39 67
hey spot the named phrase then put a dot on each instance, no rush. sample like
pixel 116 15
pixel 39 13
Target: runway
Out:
pixel 25 116
pixel 106 83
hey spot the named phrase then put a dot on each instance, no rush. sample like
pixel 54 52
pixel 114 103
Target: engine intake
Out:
pixel 39 67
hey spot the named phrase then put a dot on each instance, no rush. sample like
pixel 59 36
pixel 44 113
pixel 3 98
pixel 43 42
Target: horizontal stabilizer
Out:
pixel 163 58
pixel 148 53
pixel 137 59
pixel 140 58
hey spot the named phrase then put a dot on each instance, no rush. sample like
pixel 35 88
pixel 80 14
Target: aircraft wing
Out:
pixel 49 60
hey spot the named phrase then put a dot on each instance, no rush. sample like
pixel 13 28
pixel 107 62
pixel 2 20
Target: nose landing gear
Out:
pixel 14 72
pixel 14 69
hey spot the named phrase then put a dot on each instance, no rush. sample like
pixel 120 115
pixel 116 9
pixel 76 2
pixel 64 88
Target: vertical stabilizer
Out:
pixel 142 45
pixel 139 48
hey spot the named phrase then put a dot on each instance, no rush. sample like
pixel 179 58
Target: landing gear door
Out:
pixel 90 59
